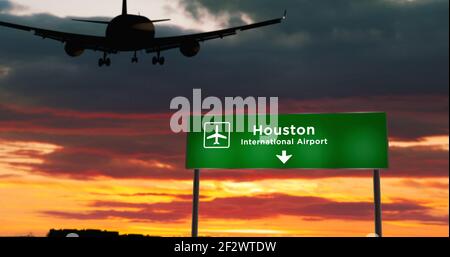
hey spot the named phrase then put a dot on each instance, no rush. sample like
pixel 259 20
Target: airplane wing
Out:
pixel 221 136
pixel 165 43
pixel 212 136
pixel 86 41
pixel 217 136
pixel 98 43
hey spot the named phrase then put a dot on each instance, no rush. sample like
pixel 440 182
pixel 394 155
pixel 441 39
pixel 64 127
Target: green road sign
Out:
pixel 309 141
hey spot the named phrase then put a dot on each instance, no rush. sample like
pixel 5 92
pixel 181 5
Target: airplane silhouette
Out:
pixel 216 136
pixel 132 33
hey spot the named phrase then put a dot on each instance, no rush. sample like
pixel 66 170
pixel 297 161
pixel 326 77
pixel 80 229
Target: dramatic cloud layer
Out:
pixel 326 49
pixel 94 144
pixel 82 145
pixel 257 207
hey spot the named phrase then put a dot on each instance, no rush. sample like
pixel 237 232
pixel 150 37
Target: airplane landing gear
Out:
pixel 134 59
pixel 158 59
pixel 104 61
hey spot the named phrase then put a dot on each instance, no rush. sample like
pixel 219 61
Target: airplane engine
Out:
pixel 73 50
pixel 190 48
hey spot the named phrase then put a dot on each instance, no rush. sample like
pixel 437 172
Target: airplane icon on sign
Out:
pixel 216 136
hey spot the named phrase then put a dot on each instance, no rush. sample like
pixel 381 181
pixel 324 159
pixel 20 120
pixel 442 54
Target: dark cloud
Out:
pixel 410 117
pixel 325 49
pixel 5 6
pixel 258 207
pixel 366 46
pixel 54 121
pixel 427 163
pixel 418 162
pixel 328 56
pixel 85 164
pixel 8 6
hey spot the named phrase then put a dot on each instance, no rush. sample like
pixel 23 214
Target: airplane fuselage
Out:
pixel 130 32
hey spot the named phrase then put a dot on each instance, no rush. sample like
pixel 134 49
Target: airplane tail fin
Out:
pixel 92 21
pixel 124 7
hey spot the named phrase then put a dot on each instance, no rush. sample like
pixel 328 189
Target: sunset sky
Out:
pixel 83 147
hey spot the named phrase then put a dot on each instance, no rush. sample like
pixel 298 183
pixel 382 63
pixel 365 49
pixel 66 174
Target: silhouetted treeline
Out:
pixel 92 233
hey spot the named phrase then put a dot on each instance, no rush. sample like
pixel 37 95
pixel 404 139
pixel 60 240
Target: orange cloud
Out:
pixel 257 207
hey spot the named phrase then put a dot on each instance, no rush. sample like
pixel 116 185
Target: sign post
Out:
pixel 195 202
pixel 377 202
pixel 295 141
